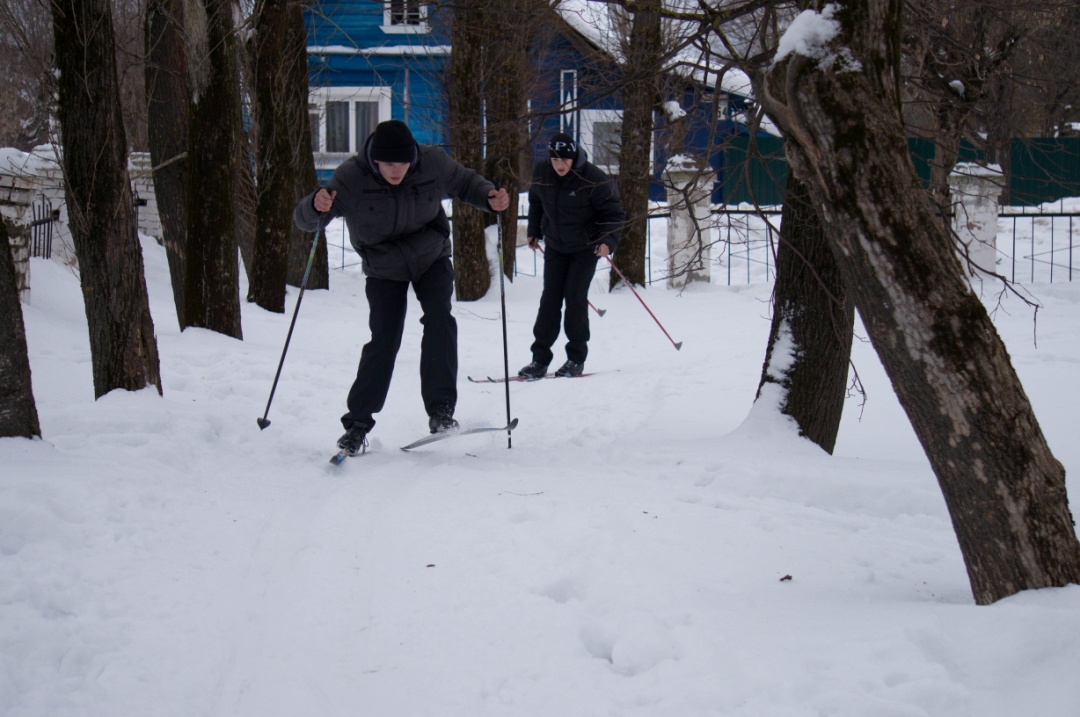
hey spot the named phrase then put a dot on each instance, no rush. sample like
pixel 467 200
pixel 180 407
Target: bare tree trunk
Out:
pixel 640 98
pixel 813 321
pixel 510 30
pixel 281 88
pixel 211 279
pixel 303 161
pixel 955 49
pixel 466 145
pixel 949 131
pixel 123 348
pixel 18 412
pixel 300 241
pixel 168 111
pixel 1003 487
pixel 246 197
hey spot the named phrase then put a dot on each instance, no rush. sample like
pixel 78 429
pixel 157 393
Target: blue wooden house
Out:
pixel 371 61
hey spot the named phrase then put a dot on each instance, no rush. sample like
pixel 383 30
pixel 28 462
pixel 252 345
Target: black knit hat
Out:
pixel 393 142
pixel 563 146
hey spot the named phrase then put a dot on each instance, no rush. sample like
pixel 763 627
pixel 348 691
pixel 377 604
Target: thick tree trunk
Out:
pixel 466 146
pixel 123 349
pixel 949 131
pixel 246 199
pixel 1004 489
pixel 813 321
pixel 167 100
pixel 635 154
pixel 18 412
pixel 211 277
pixel 299 243
pixel 303 161
pixel 281 90
pixel 507 121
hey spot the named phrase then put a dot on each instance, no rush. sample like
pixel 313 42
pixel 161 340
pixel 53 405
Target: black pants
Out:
pixel 387 302
pixel 566 278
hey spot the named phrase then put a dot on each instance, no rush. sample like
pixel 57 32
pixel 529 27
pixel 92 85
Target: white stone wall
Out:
pixel 14 212
pixel 27 177
pixel 142 187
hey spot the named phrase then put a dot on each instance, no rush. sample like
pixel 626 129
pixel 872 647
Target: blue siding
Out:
pixel 415 78
pixel 417 84
pixel 358 23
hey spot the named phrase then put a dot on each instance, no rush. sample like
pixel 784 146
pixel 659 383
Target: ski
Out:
pixel 460 432
pixel 489 379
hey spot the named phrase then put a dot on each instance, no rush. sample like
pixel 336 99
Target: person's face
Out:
pixel 561 166
pixel 393 172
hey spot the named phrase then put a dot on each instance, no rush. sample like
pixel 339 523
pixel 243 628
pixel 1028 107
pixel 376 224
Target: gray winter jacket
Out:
pixel 398 231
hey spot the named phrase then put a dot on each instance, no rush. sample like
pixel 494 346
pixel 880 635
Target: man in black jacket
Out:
pixel 575 209
pixel 390 195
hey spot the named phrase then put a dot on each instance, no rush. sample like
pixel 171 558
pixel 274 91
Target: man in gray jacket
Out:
pixel 390 195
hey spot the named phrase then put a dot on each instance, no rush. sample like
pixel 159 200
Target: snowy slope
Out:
pixel 627 556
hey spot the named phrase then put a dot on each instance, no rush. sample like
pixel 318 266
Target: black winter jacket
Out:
pixel 577 212
pixel 398 231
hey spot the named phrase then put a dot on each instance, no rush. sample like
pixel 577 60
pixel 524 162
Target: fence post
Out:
pixel 689 182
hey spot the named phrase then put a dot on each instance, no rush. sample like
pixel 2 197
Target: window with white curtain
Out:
pixel 343 117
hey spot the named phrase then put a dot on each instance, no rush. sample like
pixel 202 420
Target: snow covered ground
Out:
pixel 651 544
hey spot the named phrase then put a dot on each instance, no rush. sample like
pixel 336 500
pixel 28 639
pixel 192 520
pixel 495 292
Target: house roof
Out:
pixel 597 22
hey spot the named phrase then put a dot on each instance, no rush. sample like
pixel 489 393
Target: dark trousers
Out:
pixel 566 278
pixel 387 302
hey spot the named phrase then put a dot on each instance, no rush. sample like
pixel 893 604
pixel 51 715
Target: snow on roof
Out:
pixel 594 21
pixel 14 162
pixel 597 21
pixel 393 50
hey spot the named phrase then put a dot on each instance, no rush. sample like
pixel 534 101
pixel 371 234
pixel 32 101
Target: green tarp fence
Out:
pixel 1043 169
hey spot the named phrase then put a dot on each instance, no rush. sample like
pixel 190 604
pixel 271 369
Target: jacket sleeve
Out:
pixel 307 218
pixel 465 184
pixel 609 216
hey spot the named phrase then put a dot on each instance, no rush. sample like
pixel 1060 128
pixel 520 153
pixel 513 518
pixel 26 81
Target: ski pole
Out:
pixel 627 282
pixel 263 423
pixel 601 312
pixel 506 350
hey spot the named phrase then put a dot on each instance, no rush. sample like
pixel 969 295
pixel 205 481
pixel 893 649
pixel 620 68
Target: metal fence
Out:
pixel 1041 246
pixel 1033 247
pixel 742 248
pixel 41 227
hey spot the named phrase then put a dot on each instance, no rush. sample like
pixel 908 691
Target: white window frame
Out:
pixel 388 26
pixel 588 137
pixel 317 100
